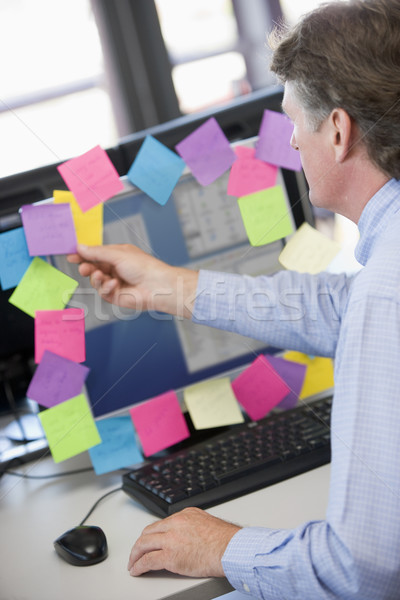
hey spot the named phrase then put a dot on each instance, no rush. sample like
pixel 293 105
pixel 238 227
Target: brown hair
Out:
pixel 347 55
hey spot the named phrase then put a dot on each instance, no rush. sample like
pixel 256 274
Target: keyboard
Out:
pixel 246 458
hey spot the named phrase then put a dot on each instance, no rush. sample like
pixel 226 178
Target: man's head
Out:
pixel 347 55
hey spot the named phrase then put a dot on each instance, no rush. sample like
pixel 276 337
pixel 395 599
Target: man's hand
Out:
pixel 190 542
pixel 128 277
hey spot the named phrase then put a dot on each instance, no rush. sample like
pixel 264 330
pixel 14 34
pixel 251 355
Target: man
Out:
pixel 341 70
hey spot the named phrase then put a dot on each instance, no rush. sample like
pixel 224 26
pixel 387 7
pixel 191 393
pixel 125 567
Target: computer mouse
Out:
pixel 82 546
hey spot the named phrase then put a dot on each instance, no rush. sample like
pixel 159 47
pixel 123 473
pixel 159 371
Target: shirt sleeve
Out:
pixel 354 552
pixel 286 310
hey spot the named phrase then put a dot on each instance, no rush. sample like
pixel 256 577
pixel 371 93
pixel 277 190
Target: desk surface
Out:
pixel 33 513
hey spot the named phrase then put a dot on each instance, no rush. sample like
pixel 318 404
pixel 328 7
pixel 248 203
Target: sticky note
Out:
pixel 91 177
pixel 14 257
pixel 43 287
pixel 259 388
pixel 49 229
pixel 308 251
pixel 273 144
pixel 156 170
pixel 69 428
pixel 319 374
pixel 212 403
pixel 159 423
pixel 89 224
pixel 118 448
pixel 249 174
pixel 265 216
pixel 61 332
pixel 293 375
pixel 207 152
pixel 56 379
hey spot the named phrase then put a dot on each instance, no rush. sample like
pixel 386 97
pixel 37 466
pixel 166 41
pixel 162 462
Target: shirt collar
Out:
pixel 375 218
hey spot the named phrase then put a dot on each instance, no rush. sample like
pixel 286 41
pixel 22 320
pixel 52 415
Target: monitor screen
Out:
pixel 135 356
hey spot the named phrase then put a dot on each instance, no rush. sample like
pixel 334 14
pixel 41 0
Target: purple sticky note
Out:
pixel 91 177
pixel 56 379
pixel 273 145
pixel 259 388
pixel 207 152
pixel 159 423
pixel 249 174
pixel 49 229
pixel 293 375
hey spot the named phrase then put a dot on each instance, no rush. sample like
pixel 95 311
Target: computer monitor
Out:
pixel 135 356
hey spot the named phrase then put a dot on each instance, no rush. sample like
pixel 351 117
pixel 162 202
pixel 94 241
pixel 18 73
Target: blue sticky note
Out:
pixel 156 170
pixel 14 257
pixel 118 448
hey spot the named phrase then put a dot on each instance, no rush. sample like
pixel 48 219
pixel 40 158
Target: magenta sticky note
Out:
pixel 250 174
pixel 91 177
pixel 49 229
pixel 61 332
pixel 293 375
pixel 259 388
pixel 273 145
pixel 207 152
pixel 56 379
pixel 159 423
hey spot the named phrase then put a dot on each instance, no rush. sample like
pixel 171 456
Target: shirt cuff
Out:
pixel 240 559
pixel 216 296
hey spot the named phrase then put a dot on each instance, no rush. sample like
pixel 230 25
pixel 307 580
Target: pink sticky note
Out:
pixel 61 332
pixel 249 174
pixel 91 177
pixel 49 229
pixel 56 379
pixel 273 145
pixel 207 152
pixel 159 423
pixel 259 388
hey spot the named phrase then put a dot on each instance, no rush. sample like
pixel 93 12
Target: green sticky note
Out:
pixel 43 287
pixel 70 428
pixel 265 216
pixel 212 403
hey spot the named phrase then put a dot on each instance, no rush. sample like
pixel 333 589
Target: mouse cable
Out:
pixel 48 476
pixel 98 502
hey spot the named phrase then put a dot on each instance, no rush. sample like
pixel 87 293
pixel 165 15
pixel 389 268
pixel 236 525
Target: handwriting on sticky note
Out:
pixel 308 251
pixel 156 170
pixel 49 229
pixel 159 423
pixel 89 224
pixel 61 332
pixel 14 257
pixel 91 177
pixel 70 428
pixel 207 152
pixel 212 403
pixel 273 143
pixel 249 174
pixel 56 379
pixel 293 375
pixel 118 448
pixel 259 388
pixel 43 287
pixel 319 374
pixel 265 216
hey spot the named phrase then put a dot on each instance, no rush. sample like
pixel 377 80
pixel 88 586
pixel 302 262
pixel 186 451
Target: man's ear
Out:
pixel 342 133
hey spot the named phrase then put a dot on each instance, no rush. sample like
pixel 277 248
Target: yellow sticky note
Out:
pixel 265 216
pixel 308 251
pixel 70 428
pixel 89 224
pixel 43 287
pixel 212 404
pixel 319 374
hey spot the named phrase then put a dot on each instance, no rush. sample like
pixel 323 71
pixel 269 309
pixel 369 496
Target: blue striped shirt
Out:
pixel 355 551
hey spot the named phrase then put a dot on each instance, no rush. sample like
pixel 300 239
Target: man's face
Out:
pixel 315 150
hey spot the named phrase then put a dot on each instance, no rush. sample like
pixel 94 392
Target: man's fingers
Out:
pixel 147 543
pixel 152 561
